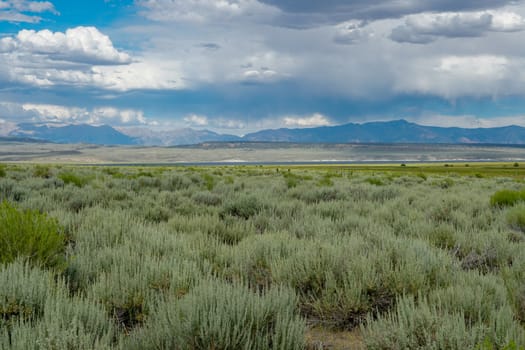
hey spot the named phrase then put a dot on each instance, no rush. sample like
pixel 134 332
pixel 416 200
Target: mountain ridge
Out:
pixel 396 131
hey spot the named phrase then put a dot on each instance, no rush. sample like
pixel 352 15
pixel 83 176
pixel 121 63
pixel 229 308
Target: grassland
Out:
pixel 413 256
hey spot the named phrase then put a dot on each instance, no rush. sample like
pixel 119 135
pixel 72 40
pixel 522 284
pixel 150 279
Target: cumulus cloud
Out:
pixel 24 11
pixel 196 120
pixel 80 44
pixel 259 76
pixel 428 27
pixel 81 57
pixel 309 121
pixel 202 10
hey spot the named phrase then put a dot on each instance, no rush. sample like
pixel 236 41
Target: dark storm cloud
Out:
pixel 308 13
pixel 210 46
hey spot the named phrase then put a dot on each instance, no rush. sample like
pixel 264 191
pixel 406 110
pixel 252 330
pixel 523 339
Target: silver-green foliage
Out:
pixel 189 258
pixel 216 315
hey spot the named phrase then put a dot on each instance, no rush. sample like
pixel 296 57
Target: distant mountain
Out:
pixel 398 131
pixel 184 136
pixel 20 139
pixel 73 133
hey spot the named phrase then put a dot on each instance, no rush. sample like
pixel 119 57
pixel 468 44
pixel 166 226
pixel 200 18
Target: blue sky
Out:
pixel 237 66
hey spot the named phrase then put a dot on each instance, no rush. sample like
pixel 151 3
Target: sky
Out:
pixel 237 66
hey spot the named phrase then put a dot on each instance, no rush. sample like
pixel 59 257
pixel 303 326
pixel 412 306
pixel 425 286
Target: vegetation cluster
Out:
pixel 247 257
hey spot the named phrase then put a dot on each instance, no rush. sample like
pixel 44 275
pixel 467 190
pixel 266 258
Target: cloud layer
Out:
pixel 201 11
pixel 24 11
pixel 48 113
pixel 426 28
pixel 248 64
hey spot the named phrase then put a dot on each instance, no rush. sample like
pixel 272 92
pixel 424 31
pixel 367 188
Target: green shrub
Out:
pixel 30 235
pixel 209 181
pixel 72 178
pixel 422 176
pixel 326 181
pixel 375 181
pixel 291 180
pixel 3 173
pixel 42 171
pixel 506 198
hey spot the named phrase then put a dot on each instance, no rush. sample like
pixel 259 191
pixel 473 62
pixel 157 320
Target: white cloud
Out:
pixel 310 121
pixel 23 10
pixel 29 6
pixel 149 73
pixel 263 75
pixel 6 127
pixel 455 76
pixel 428 27
pixel 468 67
pixel 228 124
pixel 81 57
pixel 196 120
pixel 80 44
pixel 468 121
pixel 97 115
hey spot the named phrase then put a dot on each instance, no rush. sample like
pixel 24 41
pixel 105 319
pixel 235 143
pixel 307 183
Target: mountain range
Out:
pixel 398 131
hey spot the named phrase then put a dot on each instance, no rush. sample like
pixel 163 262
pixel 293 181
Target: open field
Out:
pixel 254 152
pixel 420 256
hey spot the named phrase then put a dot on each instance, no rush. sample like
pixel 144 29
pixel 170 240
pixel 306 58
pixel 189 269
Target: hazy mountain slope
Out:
pixel 399 131
pixel 73 133
pixel 186 136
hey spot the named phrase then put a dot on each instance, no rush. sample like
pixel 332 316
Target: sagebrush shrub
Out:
pixel 243 207
pixel 24 291
pixel 30 235
pixel 216 315
pixel 516 218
